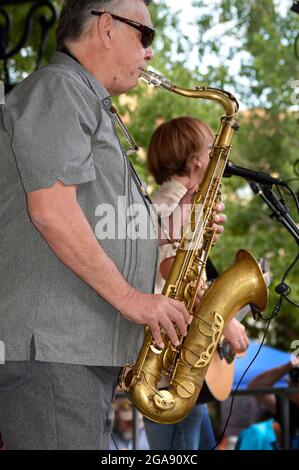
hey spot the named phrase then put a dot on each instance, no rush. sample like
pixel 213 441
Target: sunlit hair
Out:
pixel 173 146
pixel 75 17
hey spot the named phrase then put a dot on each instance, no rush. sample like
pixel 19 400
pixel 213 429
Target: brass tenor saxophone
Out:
pixel 185 366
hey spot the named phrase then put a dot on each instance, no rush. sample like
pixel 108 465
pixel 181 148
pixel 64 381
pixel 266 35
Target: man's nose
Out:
pixel 149 53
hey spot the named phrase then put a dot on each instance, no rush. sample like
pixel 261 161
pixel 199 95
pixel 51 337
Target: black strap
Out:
pixel 66 51
pixel 148 200
pixel 211 271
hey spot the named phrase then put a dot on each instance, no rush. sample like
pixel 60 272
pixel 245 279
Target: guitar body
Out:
pixel 219 378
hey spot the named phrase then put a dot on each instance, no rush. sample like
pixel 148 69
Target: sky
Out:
pixel 185 6
pixel 188 14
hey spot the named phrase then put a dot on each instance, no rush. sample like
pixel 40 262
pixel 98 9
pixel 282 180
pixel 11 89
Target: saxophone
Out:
pixel 185 366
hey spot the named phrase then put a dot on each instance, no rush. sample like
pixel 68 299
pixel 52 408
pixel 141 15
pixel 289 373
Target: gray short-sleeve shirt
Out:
pixel 57 125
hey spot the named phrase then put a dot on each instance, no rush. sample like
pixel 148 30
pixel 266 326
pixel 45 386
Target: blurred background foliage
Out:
pixel 246 48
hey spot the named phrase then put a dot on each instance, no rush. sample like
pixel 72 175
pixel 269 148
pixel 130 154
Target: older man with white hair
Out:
pixel 73 306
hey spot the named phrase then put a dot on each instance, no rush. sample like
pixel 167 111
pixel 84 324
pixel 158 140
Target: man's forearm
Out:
pixel 71 238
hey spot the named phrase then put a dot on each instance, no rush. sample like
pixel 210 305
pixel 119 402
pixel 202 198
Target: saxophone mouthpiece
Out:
pixel 153 78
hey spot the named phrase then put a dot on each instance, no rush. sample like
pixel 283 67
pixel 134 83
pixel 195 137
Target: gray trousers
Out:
pixel 56 406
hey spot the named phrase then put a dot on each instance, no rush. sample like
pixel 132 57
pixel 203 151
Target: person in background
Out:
pixel 178 157
pixel 266 435
pixel 122 434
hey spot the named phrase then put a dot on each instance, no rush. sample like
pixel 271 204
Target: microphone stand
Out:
pixel 281 213
pixel 279 210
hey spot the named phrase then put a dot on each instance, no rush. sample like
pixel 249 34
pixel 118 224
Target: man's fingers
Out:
pixel 171 332
pixel 180 306
pixel 175 314
pixel 156 333
pixel 169 329
pixel 179 321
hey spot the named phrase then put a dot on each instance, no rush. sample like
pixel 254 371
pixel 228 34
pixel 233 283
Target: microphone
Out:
pixel 257 176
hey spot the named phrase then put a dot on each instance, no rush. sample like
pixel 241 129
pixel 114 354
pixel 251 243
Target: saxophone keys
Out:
pixel 185 389
pixel 164 400
pixel 128 377
pixel 155 349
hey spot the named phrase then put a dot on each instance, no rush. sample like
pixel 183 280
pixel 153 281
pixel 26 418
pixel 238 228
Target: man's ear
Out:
pixel 105 30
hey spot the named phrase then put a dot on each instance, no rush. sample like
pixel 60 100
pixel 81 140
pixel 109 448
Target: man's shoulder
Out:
pixel 53 76
pixel 55 83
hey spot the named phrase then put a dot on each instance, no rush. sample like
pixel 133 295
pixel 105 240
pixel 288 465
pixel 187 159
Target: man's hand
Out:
pixel 157 311
pixel 236 336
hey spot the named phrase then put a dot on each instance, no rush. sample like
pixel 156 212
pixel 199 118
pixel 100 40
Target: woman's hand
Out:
pixel 236 336
pixel 219 220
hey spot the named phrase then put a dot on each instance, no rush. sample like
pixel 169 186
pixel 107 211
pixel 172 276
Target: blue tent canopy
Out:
pixel 267 358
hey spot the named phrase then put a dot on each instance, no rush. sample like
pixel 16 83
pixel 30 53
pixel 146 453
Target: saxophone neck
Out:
pixel 224 98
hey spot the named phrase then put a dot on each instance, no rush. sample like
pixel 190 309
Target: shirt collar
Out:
pixel 174 187
pixel 62 58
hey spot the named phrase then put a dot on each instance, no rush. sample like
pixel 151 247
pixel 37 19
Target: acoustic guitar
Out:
pixel 220 375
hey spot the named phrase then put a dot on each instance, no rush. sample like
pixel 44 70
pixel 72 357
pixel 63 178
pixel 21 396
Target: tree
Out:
pixel 23 63
pixel 263 37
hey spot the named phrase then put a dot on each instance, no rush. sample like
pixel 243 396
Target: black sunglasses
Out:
pixel 147 34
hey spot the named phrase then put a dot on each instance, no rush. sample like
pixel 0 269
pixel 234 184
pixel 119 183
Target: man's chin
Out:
pixel 133 82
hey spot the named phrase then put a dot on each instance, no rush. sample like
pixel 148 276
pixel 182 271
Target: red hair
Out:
pixel 173 146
